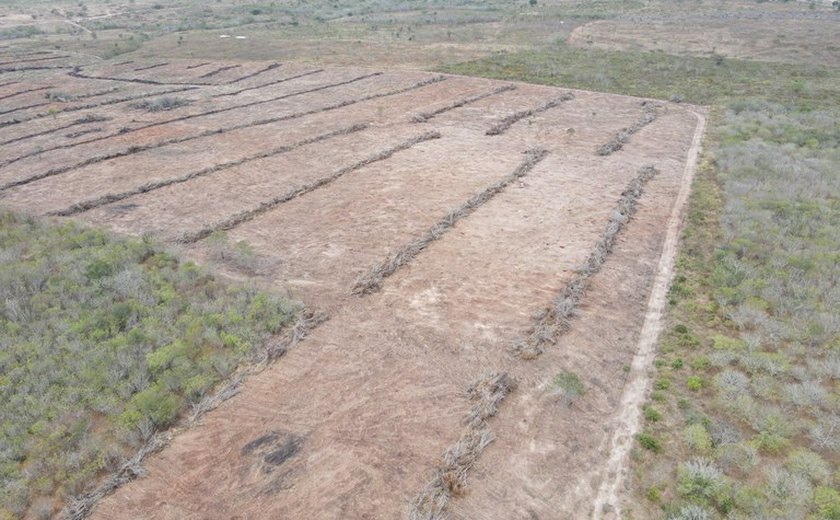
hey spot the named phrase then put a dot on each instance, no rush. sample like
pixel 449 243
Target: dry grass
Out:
pixel 508 121
pixel 372 281
pixel 555 320
pixel 624 135
pixel 451 477
pixel 250 214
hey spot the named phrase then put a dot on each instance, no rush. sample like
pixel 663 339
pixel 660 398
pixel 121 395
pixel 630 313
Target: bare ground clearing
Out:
pixel 352 422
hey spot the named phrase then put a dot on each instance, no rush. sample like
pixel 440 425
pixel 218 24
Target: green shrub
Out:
pixel 649 442
pixel 569 386
pixel 698 439
pixel 826 503
pixel 699 478
pixel 651 414
pixel 694 383
pixel 662 384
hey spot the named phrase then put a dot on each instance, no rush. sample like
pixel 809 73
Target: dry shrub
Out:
pixel 617 143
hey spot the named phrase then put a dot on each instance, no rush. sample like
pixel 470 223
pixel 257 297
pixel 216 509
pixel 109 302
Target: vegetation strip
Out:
pixel 42 115
pixel 617 143
pixel 507 122
pixel 253 74
pixel 425 116
pixel 450 478
pixel 7 96
pixel 372 281
pixel 555 320
pixel 87 119
pixel 15 62
pixel 57 97
pixel 290 78
pixel 150 67
pixel 25 69
pixel 78 74
pixel 218 71
pixel 206 133
pixel 113 197
pixel 250 214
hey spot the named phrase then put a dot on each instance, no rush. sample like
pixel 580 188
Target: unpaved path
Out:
pixel 607 503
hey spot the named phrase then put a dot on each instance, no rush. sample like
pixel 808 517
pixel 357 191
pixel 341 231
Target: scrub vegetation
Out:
pixel 104 342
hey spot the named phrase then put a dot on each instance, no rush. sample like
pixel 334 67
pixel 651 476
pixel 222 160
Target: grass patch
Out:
pixel 105 341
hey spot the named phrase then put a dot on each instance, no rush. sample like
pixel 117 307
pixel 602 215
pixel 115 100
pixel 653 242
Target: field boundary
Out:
pixel 615 472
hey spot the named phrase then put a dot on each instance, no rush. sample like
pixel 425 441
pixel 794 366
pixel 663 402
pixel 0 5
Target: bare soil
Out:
pixel 352 422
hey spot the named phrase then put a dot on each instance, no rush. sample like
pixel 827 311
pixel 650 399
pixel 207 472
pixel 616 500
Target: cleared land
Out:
pixel 327 174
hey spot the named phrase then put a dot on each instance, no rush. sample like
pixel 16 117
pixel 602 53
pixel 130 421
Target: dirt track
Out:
pixel 352 422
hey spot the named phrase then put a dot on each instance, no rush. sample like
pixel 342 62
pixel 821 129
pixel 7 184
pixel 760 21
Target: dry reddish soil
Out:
pixel 353 421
